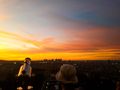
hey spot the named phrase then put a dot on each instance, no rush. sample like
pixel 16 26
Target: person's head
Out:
pixel 67 73
pixel 27 60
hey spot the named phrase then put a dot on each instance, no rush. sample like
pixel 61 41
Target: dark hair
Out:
pixel 28 58
pixel 25 61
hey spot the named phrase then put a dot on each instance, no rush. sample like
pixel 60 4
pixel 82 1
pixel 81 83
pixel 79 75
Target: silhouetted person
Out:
pixel 67 76
pixel 24 75
pixel 65 79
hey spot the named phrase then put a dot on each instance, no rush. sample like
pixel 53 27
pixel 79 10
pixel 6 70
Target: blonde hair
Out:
pixel 67 73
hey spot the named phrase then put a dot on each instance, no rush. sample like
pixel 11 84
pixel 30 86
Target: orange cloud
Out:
pixel 95 43
pixel 4 17
pixel 13 42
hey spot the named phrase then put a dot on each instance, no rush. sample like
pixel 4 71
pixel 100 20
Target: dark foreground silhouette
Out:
pixel 92 75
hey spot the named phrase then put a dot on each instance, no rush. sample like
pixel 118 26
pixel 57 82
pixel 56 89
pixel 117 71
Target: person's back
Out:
pixel 54 84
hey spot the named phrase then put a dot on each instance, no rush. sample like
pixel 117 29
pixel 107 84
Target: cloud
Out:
pixel 14 42
pixel 3 17
pixel 50 26
pixel 61 12
pixel 87 40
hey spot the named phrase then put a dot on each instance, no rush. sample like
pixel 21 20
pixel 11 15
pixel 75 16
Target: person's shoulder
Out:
pixel 21 66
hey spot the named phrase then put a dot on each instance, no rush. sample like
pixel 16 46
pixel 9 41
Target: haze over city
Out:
pixel 65 29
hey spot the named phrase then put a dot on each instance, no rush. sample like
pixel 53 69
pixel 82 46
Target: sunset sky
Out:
pixel 67 29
